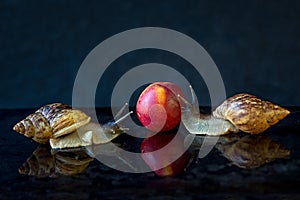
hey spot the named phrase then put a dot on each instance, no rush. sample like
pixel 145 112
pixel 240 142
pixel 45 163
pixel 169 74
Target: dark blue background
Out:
pixel 255 44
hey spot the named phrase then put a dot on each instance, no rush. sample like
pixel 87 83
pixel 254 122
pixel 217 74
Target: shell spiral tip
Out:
pixel 19 128
pixel 282 112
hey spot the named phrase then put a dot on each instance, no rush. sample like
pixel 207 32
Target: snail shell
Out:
pixel 51 121
pixel 249 113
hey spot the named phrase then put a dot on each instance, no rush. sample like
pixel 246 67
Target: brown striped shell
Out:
pixel 51 121
pixel 249 113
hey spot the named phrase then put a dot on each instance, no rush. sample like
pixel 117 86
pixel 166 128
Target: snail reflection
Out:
pixel 248 151
pixel 46 163
pixel 251 151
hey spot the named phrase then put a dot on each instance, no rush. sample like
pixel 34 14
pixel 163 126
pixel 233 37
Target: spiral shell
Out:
pixel 51 121
pixel 249 113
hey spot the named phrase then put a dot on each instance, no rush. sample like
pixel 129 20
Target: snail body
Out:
pixel 242 112
pixel 90 134
pixel 203 124
pixel 65 127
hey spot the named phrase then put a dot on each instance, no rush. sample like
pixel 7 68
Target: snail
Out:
pixel 51 121
pixel 65 127
pixel 241 112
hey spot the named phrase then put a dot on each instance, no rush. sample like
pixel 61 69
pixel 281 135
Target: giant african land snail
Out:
pixel 243 112
pixel 65 127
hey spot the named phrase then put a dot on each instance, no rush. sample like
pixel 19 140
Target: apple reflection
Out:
pixel 164 162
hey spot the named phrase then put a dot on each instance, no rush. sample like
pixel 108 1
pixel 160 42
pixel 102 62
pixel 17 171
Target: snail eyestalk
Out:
pixel 124 117
pixel 121 110
pixel 195 104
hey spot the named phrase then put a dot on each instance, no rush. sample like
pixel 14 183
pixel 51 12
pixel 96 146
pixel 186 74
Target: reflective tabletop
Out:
pixel 238 165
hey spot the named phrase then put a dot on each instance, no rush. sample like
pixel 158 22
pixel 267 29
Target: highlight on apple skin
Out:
pixel 158 107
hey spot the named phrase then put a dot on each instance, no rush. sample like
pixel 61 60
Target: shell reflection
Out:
pixel 251 151
pixel 42 163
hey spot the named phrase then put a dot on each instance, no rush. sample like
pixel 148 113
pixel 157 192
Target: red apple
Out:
pixel 164 162
pixel 158 107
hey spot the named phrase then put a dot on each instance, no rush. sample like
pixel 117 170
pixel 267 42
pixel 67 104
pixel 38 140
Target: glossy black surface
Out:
pixel 212 177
